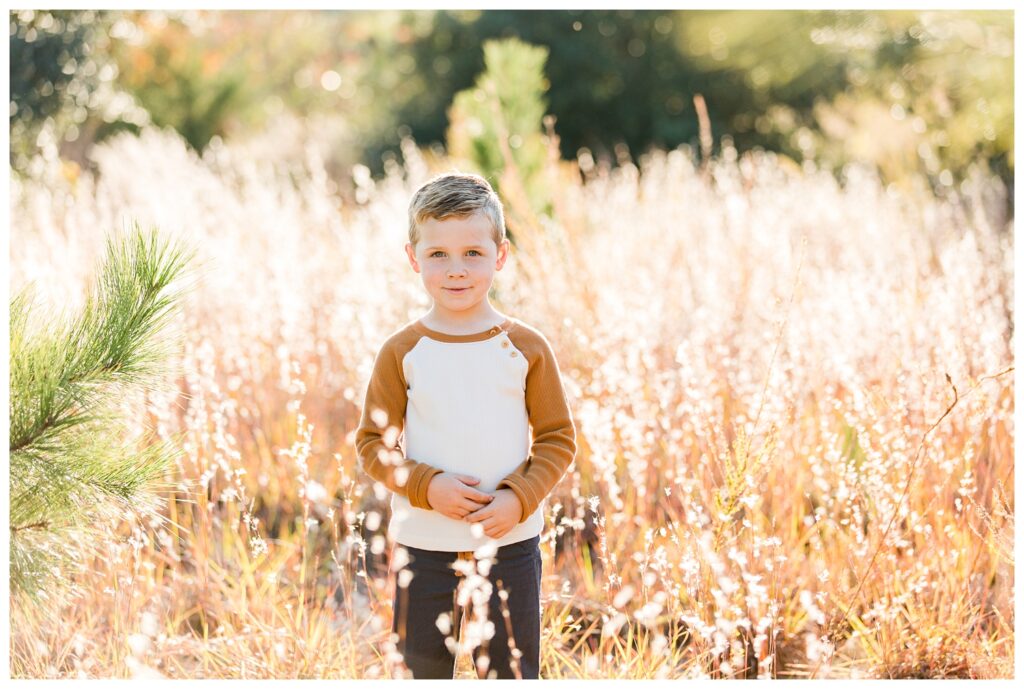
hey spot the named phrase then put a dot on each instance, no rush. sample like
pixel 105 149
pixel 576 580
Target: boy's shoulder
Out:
pixel 401 340
pixel 527 337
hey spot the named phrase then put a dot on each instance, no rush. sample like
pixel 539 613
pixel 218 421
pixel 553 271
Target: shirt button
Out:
pixel 504 343
pixel 513 354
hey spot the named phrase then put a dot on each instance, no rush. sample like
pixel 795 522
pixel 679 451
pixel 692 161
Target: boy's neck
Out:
pixel 451 324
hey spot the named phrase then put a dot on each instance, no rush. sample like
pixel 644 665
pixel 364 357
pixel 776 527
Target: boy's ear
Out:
pixel 411 253
pixel 503 249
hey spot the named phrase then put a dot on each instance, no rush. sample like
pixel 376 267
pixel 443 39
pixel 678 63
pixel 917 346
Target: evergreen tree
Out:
pixel 72 465
pixel 496 125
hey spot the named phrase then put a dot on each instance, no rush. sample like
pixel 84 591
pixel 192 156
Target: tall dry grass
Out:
pixel 756 361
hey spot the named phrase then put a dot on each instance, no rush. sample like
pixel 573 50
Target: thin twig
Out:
pixel 706 141
pixel 37 525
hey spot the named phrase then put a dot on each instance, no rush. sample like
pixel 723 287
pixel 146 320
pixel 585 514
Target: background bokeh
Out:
pixel 773 253
pixel 911 91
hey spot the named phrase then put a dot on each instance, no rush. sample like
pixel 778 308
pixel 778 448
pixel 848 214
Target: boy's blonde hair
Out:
pixel 455 194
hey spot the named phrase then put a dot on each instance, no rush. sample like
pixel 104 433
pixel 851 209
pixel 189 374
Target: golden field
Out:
pixel 793 396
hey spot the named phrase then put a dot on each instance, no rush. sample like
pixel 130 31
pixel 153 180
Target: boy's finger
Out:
pixel 474 494
pixel 476 509
pixel 482 498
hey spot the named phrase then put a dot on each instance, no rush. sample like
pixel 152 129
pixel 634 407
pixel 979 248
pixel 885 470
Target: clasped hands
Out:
pixel 453 495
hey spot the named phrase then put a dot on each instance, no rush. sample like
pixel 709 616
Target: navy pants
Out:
pixel 432 592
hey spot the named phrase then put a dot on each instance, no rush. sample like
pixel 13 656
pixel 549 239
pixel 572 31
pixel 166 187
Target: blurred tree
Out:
pixel 184 80
pixel 70 462
pixel 910 91
pixel 496 125
pixel 315 78
pixel 63 93
pixel 613 75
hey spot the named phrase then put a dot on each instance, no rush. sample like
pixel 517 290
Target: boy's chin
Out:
pixel 458 302
pixel 459 308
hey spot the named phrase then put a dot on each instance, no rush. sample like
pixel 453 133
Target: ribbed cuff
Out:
pixel 522 492
pixel 418 486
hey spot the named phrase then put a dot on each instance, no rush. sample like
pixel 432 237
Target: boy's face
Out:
pixel 457 258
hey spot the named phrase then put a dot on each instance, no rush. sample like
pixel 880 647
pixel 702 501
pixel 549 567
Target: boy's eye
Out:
pixel 472 251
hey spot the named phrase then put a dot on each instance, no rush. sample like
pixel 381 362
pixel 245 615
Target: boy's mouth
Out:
pixel 457 289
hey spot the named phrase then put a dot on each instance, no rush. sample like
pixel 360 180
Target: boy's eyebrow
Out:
pixel 474 246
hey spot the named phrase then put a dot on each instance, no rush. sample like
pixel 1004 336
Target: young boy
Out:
pixel 465 384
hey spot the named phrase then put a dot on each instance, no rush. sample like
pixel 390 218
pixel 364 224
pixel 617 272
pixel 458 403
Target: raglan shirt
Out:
pixel 465 404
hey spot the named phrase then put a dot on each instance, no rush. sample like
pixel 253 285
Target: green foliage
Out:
pixel 614 76
pixel 185 83
pixel 217 73
pixel 64 89
pixel 500 117
pixel 909 91
pixel 56 74
pixel 71 465
pixel 41 45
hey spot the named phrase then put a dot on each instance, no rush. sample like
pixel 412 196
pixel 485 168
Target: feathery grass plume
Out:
pixel 72 464
pixel 742 473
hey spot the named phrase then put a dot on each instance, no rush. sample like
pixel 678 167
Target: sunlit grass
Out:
pixel 753 361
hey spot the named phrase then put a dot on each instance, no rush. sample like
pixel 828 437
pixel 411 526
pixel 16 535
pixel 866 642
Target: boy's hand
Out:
pixel 501 515
pixel 451 494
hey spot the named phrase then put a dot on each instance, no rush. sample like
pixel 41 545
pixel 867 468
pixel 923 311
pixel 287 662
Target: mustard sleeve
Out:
pixel 554 435
pixel 382 423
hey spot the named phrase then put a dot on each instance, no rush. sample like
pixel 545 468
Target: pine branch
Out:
pixel 69 465
pixel 114 342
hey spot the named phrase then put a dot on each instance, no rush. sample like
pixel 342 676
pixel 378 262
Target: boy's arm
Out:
pixel 554 436
pixel 382 423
